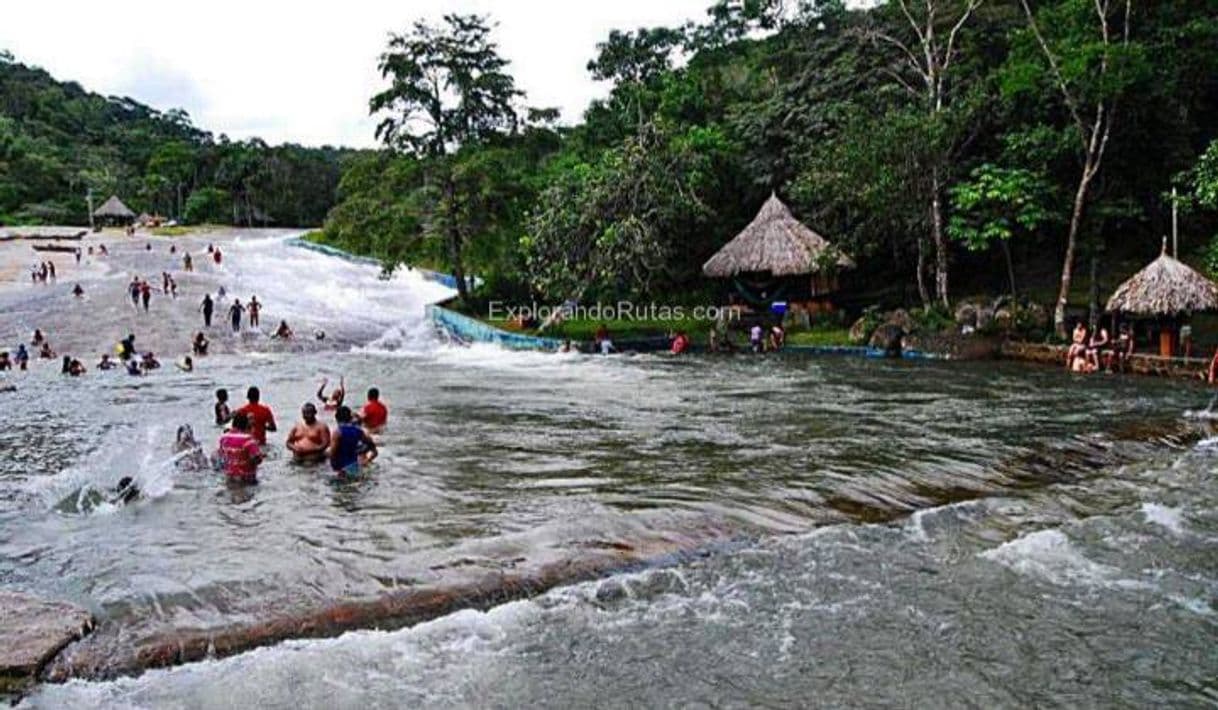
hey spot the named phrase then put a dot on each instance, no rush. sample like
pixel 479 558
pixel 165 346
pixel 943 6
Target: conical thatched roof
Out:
pixel 1166 287
pixel 775 242
pixel 113 207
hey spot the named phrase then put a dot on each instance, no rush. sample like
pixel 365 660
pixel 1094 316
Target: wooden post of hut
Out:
pixel 1166 290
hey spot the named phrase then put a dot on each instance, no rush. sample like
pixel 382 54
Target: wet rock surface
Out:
pixel 32 631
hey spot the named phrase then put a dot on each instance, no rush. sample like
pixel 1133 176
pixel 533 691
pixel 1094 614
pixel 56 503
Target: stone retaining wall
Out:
pixel 1139 364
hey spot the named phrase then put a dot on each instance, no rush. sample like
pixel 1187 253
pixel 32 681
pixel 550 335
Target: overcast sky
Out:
pixel 303 71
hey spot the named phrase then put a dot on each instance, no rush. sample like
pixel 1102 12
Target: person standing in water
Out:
pixel 126 347
pixel 21 357
pixel 350 446
pixel 261 418
pixel 145 294
pixel 374 414
pixel 309 440
pixel 234 314
pixel 208 306
pixel 254 306
pixel 188 264
pixel 336 397
pixel 223 414
pixel 240 452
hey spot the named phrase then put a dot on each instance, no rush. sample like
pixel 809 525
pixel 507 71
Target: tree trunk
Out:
pixel 937 232
pixel 453 239
pixel 1006 253
pixel 923 293
pixel 1076 223
pixel 1093 300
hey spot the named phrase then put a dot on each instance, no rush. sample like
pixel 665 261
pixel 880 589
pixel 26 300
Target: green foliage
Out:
pixel 640 219
pixel 449 99
pixel 997 202
pixel 932 319
pixel 206 204
pixel 822 336
pixel 58 141
pixel 1205 177
pixel 447 87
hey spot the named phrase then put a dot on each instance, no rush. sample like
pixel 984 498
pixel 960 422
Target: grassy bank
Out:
pixel 182 230
pixel 698 331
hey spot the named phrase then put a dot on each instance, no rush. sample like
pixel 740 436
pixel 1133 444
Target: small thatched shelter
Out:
pixel 1165 289
pixel 113 211
pixel 772 251
pixel 777 243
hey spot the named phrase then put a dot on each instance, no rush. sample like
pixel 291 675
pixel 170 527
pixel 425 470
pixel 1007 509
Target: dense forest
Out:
pixel 58 142
pixel 951 146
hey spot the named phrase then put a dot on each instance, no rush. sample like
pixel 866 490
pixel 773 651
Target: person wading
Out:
pixel 309 440
pixel 208 307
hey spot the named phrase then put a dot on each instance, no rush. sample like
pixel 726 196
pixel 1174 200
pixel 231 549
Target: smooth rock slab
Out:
pixel 32 631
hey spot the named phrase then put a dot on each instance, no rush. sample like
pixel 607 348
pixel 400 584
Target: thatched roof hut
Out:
pixel 1166 287
pixel 113 210
pixel 777 243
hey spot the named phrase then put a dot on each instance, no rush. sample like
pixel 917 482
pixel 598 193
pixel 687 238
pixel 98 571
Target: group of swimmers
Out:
pixel 348 448
pixel 41 272
pixel 1094 351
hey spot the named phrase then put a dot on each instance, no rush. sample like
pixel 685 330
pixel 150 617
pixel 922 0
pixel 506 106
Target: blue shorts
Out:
pixel 349 472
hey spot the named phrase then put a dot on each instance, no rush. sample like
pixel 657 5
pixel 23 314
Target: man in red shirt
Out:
pixel 375 414
pixel 262 419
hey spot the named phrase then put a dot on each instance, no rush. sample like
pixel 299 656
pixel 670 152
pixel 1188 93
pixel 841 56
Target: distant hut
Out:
pixel 1167 290
pixel 114 212
pixel 777 257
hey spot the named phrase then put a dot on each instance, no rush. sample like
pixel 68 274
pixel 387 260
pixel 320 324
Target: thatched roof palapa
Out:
pixel 1166 287
pixel 775 242
pixel 113 207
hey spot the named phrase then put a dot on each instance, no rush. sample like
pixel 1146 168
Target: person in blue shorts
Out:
pixel 350 446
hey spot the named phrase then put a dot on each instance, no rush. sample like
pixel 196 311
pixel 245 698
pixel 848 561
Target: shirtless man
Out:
pixel 309 439
pixel 335 399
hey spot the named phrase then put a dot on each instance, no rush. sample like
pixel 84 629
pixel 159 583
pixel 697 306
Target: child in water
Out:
pixel 223 413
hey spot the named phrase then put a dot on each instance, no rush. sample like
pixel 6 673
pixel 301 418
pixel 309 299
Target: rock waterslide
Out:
pixel 507 474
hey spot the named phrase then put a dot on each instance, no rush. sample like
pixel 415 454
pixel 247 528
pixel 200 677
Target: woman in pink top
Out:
pixel 239 451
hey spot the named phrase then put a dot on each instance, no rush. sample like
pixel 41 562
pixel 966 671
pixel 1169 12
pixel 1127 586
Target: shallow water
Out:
pixel 901 533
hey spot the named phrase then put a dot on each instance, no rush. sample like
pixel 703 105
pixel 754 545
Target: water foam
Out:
pixel 1050 555
pixel 1169 518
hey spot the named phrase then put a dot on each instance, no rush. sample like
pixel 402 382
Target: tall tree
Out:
pixel 448 89
pixel 1081 44
pixel 633 61
pixel 925 52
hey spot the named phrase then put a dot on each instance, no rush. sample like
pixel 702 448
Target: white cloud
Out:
pixel 303 72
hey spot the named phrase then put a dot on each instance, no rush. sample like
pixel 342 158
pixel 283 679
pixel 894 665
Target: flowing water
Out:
pixel 851 532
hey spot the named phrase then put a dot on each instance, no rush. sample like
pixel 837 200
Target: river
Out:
pixel 835 531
